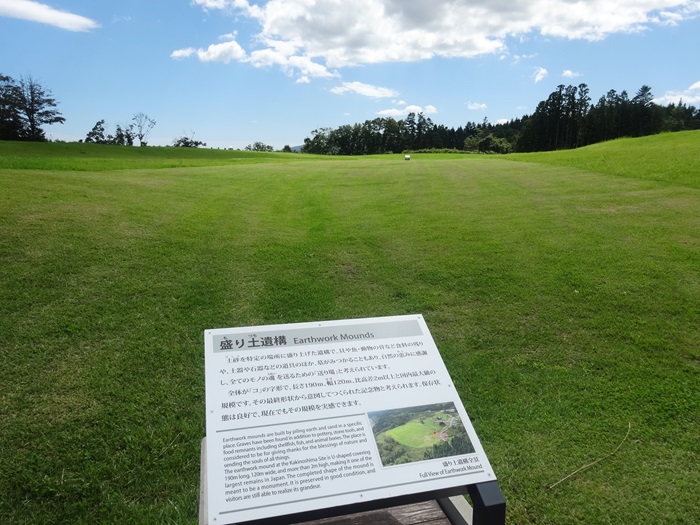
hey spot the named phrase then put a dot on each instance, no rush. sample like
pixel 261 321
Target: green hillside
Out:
pixel 669 157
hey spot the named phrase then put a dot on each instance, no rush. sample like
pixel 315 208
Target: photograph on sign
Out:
pixel 406 435
pixel 309 416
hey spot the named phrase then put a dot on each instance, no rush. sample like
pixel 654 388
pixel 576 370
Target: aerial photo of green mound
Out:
pixel 419 433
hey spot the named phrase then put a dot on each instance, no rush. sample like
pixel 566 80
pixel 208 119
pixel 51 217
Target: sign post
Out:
pixel 311 416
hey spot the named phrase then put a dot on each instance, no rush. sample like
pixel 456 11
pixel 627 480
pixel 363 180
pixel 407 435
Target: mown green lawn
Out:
pixel 415 434
pixel 669 157
pixel 565 303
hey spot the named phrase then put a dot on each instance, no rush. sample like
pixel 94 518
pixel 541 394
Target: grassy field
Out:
pixel 563 291
pixel 96 157
pixel 414 435
pixel 418 433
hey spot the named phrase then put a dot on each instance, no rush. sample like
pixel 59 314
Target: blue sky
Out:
pixel 232 72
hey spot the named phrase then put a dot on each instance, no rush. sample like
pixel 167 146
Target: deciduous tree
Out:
pixel 259 146
pixel 143 125
pixel 187 142
pixel 123 135
pixel 36 107
pixel 97 133
pixel 24 108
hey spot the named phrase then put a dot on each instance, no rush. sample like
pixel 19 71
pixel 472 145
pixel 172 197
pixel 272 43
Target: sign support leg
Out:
pixel 489 503
pixel 457 510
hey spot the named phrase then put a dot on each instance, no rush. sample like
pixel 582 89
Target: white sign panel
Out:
pixel 314 415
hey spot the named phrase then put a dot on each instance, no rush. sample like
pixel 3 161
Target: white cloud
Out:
pixel 302 65
pixel 268 57
pixel 519 58
pixel 687 96
pixel 540 74
pixel 277 53
pixel 212 4
pixel 224 52
pixel 250 10
pixel 364 89
pixel 567 73
pixel 44 14
pixel 411 108
pixel 393 112
pixel 335 34
pixel 183 53
pixel 476 106
pixel 309 68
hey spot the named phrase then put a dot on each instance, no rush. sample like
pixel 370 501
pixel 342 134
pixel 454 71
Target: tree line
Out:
pixel 566 119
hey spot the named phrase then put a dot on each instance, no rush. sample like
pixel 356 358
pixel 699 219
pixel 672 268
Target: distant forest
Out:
pixel 567 119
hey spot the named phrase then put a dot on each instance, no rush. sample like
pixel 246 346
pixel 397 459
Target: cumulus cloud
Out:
pixel 276 53
pixel 231 50
pixel 476 106
pixel 183 53
pixel 540 74
pixel 690 96
pixel 224 52
pixel 212 4
pixel 44 14
pixel 208 5
pixel 364 89
pixel 567 73
pixel 406 109
pixel 337 34
pixel 392 112
pixel 308 67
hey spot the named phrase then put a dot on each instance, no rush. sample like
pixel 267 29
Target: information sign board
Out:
pixel 308 416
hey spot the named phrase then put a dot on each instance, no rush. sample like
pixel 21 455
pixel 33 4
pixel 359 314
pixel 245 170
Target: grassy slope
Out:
pixel 97 157
pixel 565 304
pixel 670 157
